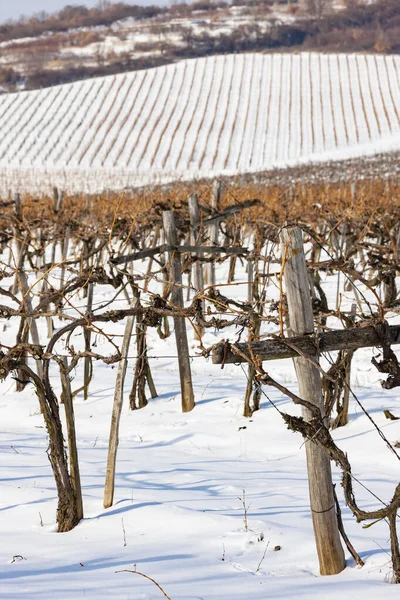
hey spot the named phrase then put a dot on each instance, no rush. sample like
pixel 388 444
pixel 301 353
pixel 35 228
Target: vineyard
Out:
pixel 214 116
pixel 140 421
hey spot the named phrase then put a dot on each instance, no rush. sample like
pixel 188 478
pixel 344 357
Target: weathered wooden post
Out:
pixel 252 388
pixel 116 415
pixel 20 254
pixel 322 502
pixel 163 264
pixel 250 278
pixel 87 335
pixel 179 322
pixel 58 197
pixel 64 254
pixel 213 230
pixel 198 281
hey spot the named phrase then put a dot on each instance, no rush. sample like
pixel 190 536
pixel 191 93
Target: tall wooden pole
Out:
pixel 20 247
pixel 198 281
pixel 116 415
pixel 194 212
pixel 251 389
pixel 182 345
pixel 213 229
pixel 322 502
pixel 87 335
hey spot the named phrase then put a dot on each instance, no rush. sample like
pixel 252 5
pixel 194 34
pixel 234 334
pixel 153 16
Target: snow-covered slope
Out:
pixel 200 118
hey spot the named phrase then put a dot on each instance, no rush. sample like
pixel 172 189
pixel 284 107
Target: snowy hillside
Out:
pixel 205 117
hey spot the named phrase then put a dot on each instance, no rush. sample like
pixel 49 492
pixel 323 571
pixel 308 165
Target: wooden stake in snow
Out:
pixel 327 537
pixel 116 415
pixel 179 322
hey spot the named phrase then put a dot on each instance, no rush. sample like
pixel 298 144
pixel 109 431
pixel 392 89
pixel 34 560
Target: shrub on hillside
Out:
pixel 8 78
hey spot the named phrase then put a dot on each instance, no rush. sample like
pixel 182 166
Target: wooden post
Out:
pixel 87 335
pixel 340 238
pixel 198 280
pixel 252 388
pixel 64 254
pixel 179 322
pixel 250 282
pixel 213 230
pixel 326 532
pixel 58 197
pixel 116 415
pixel 163 263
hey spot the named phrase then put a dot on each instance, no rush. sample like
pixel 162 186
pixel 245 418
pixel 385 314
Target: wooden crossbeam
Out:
pixel 328 341
pixel 121 260
pixel 225 214
pixel 231 210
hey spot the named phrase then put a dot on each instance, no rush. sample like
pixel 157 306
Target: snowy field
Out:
pixel 206 117
pixel 178 514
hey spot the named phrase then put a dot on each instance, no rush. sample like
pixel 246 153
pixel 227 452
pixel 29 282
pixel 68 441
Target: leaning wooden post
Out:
pixel 179 322
pixel 116 415
pixel 322 502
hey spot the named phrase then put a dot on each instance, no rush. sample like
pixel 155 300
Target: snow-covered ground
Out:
pixel 178 513
pixel 205 117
